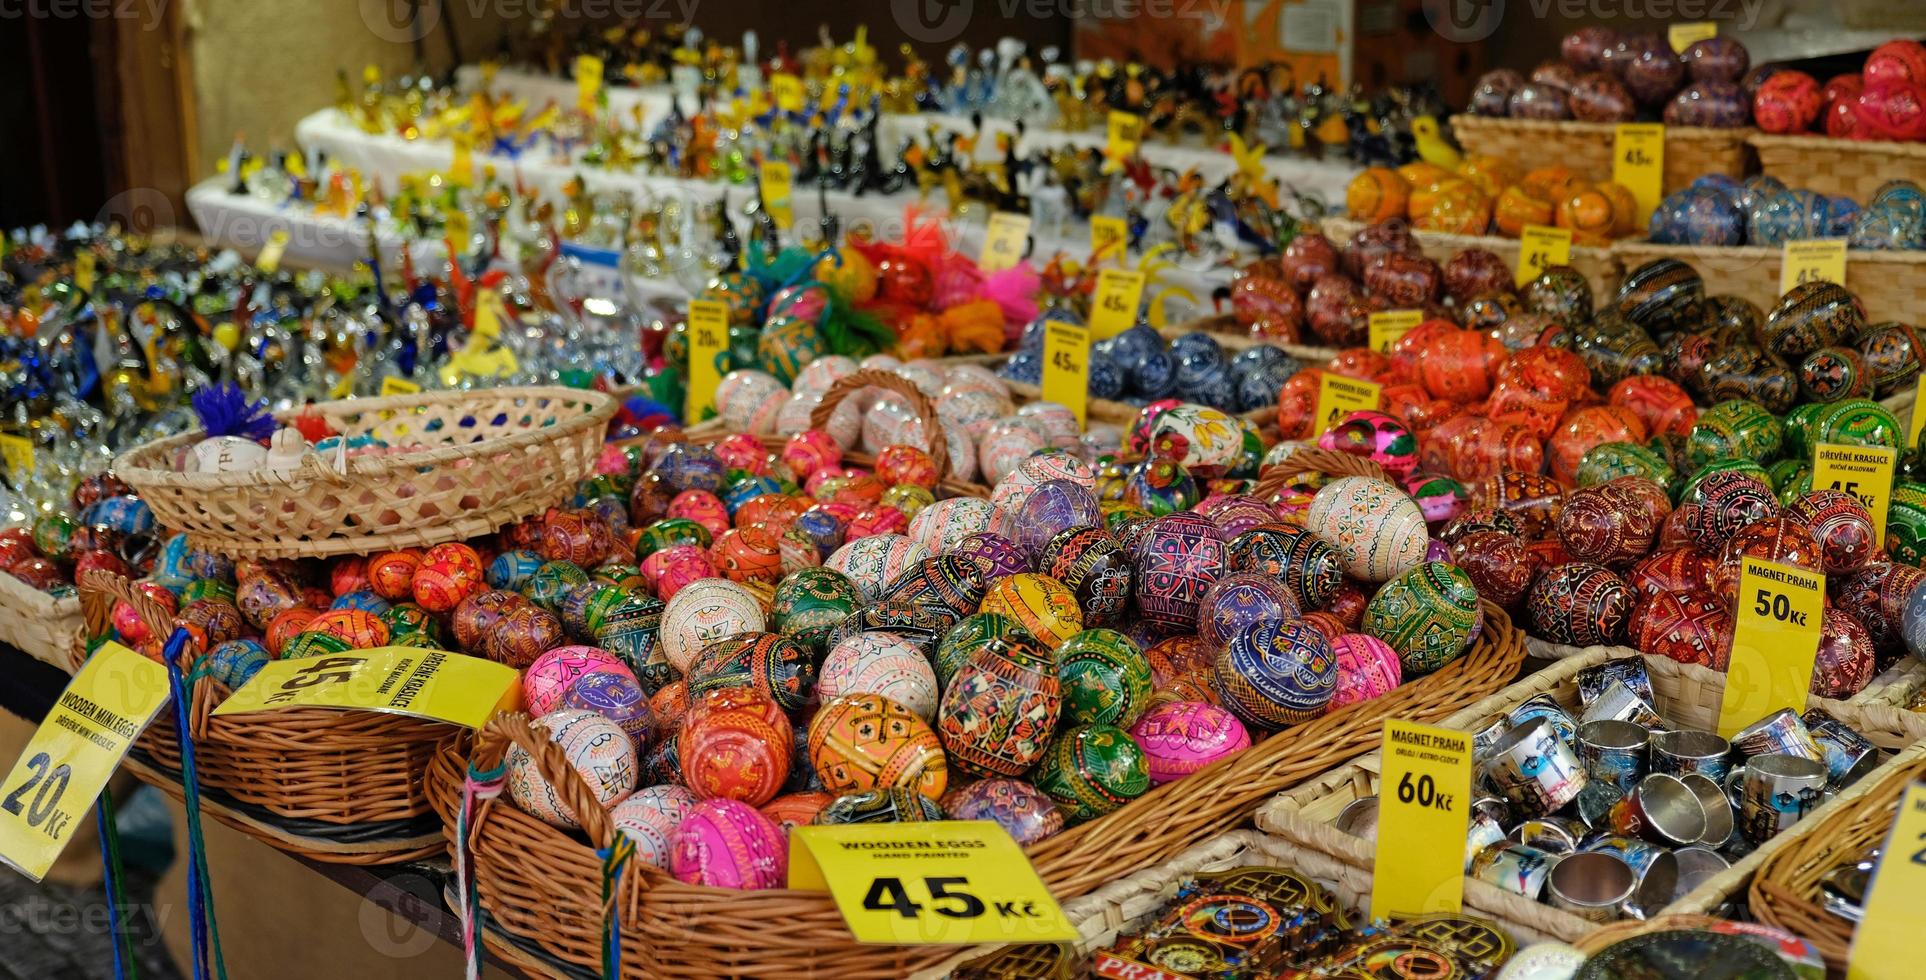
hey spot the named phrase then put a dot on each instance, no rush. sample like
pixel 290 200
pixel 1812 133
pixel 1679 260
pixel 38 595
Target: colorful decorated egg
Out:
pixel 1105 678
pixel 771 665
pixel 703 612
pixel 919 626
pixel 650 816
pixel 1042 605
pixel 617 696
pixel 549 677
pixel 1375 529
pixel 861 742
pixel 1177 561
pixel 551 582
pixel 1367 668
pixel 1688 625
pixel 939 528
pixel 1241 600
pixel 999 709
pixel 869 563
pixel 1580 604
pixel 1375 436
pixel 595 748
pixel 884 664
pixel 973 632
pixel 361 629
pixel 1294 556
pixel 1027 813
pixel 1092 564
pixel 1532 500
pixel 735 744
pixel 725 843
pixel 881 806
pixel 235 662
pixel 510 570
pixel 950 583
pixel 1091 770
pixel 1276 674
pixel 810 602
pixel 521 633
pixel 448 573
pixel 1181 737
pixel 391 574
pixel 1845 662
pixel 792 810
pixel 1428 615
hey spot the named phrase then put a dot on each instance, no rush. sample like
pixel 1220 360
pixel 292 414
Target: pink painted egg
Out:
pixel 1181 737
pixel 650 818
pixel 729 844
pixel 1367 668
pixel 549 677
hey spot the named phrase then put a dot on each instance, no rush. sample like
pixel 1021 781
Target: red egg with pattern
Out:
pixel 1690 626
pixel 1841 525
pixel 1500 568
pixel 737 745
pixel 1846 660
pixel 1660 403
pixel 391 574
pixel 1780 540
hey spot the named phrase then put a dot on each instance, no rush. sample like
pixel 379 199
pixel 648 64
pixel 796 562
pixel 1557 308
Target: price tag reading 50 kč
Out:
pixel 1774 641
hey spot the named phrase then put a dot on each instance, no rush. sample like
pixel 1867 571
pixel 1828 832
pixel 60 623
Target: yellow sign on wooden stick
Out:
pixel 1005 240
pixel 708 338
pixel 1541 247
pixel 1774 642
pixel 1066 367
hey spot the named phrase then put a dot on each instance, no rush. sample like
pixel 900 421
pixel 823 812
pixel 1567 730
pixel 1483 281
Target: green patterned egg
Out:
pixel 970 634
pixel 1428 614
pixel 1736 429
pixel 788 343
pixel 632 630
pixel 628 578
pixel 207 588
pixel 552 582
pixel 1687 491
pixel 1859 422
pixel 314 644
pixel 1091 770
pixel 1801 427
pixel 1105 678
pixel 810 603
pixel 407 617
pixel 1791 478
pixel 1906 524
pixel 418 639
pixel 669 532
pixel 1612 460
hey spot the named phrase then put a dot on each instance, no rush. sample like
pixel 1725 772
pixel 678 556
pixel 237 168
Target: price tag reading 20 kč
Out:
pixel 1774 642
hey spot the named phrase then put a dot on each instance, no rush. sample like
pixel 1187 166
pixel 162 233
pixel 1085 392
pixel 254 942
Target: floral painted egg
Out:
pixel 1241 600
pixel 1179 558
pixel 1091 770
pixel 1292 555
pixel 1689 625
pixel 881 806
pixel 1375 529
pixel 811 602
pixel 1276 674
pixel 1160 486
pixel 950 583
pixel 861 742
pixel 1091 563
pixel 1204 440
pixel 1181 737
pixel 974 632
pixel 1532 500
pixel 1043 606
pixel 391 574
pixel 880 663
pixel 1105 678
pixel 649 817
pixel 703 612
pixel 1840 524
pixel 871 562
pixel 1367 668
pixel 767 663
pixel 1024 811
pixel 735 744
pixel 725 843
pixel 595 748
pixel 1000 708
pixel 1375 436
pixel 939 528
pixel 1439 498
pixel 1580 604
pixel 549 677
pixel 1845 663
pixel 1428 615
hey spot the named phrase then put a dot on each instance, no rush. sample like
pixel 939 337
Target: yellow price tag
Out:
pixel 1389 327
pixel 787 91
pixel 946 882
pixel 481 359
pixel 1338 396
pixel 80 743
pixel 708 338
pixel 1541 247
pixel 1919 412
pixel 17 453
pixel 1424 808
pixel 85 264
pixel 461 170
pixel 1774 642
pixel 776 180
pixel 431 684
pixel 1638 163
pixel 1123 133
pixel 1109 237
pixel 1682 36
pixel 588 82
pixel 1865 472
pixel 392 385
pixel 1887 939
pixel 270 257
pixel 1808 259
pixel 1066 367
pixel 1004 241
pixel 489 313
pixel 1114 309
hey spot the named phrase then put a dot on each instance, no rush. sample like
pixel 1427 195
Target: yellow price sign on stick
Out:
pixel 77 747
pixel 1004 241
pixel 1886 943
pixel 1774 642
pixel 588 82
pixel 1682 36
pixel 17 453
pixel 1114 308
pixel 1389 327
pixel 85 265
pixel 1541 247
pixel 270 257
pixel 1066 367
pixel 786 91
pixel 1865 472
pixel 392 385
pixel 708 338
pixel 944 882
pixel 461 169
pixel 1109 237
pixel 431 684
pixel 778 183
pixel 1805 260
pixel 1123 133
pixel 1638 163
pixel 1424 810
pixel 1338 396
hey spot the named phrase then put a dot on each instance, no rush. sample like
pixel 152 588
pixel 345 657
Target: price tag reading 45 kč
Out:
pixel 1541 247
pixel 1865 472
pixel 77 747
pixel 1887 940
pixel 1804 260
pixel 1114 309
pixel 1066 367
pixel 1774 642
pixel 1424 806
pixel 1338 396
pixel 1004 241
pixel 410 681
pixel 951 881
pixel 1638 163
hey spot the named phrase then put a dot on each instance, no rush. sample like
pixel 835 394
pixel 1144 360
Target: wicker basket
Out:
pixel 344 787
pixel 1890 689
pixel 1785 892
pixel 489 457
pixel 1585 147
pixel 1853 168
pixel 1599 266
pixel 44 626
pixel 541 883
pixel 1687 695
pixel 1223 328
pixel 1892 285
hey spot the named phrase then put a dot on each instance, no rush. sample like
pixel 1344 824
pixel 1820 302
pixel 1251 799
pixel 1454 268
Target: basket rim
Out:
pixel 1829 144
pixel 1340 225
pixel 1578 126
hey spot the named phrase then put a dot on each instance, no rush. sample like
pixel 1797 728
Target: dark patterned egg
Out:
pixel 1091 770
pixel 1428 615
pixel 1276 674
pixel 1717 59
pixel 1690 626
pixel 1599 97
pixel 1813 315
pixel 950 583
pixel 1241 600
pixel 1846 660
pixel 1831 373
pixel 1585 48
pixel 1497 563
pixel 1291 555
pixel 1180 557
pixel 773 666
pixel 1654 74
pixel 1580 604
pixel 1532 500
pixel 1840 524
pixel 999 710
pixel 1560 292
pixel 1663 297
pixel 1780 540
pixel 1891 352
pixel 1720 505
pixel 1608 525
pixel 1091 563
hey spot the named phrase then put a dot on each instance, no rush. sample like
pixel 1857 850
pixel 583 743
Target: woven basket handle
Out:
pixel 517 728
pixel 100 589
pixel 920 404
pixel 1314 460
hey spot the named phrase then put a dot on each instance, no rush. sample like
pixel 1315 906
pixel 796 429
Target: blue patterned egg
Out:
pixel 362 599
pixel 510 569
pixel 1241 600
pixel 686 466
pixel 1135 344
pixel 748 488
pixel 1198 355
pixel 1840 212
pixel 1106 378
pixel 1153 376
pixel 1025 366
pixel 128 515
pixel 1276 674
pixel 1053 507
pixel 235 662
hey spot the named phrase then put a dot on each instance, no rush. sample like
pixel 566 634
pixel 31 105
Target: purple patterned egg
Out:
pixel 1092 565
pixel 1179 558
pixel 997 555
pixel 1052 508
pixel 872 561
pixel 1181 737
pixel 549 677
pixel 1276 674
pixel 1580 604
pixel 1027 813
pixel 1367 668
pixel 1241 600
pixel 725 843
pixel 1236 513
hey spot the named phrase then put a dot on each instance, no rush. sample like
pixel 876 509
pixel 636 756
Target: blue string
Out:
pixel 111 882
pixel 200 898
pixel 614 857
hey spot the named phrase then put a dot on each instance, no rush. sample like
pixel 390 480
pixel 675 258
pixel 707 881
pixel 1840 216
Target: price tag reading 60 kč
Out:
pixel 1424 807
pixel 1774 641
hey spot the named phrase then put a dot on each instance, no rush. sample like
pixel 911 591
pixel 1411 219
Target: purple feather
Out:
pixel 225 411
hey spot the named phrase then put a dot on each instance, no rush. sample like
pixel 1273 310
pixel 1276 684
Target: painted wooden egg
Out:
pixel 522 633
pixel 551 582
pixel 881 806
pixel 1580 604
pixel 1663 297
pixel 973 632
pixel 1292 555
pixel 906 464
pixel 1688 625
pixel 809 603
pixel 1025 812
pixel 1781 540
pixel 922 627
pixel 1034 471
pixel 1670 570
pixel 1532 500
pixel 617 696
pixel 798 809
pixel 283 627
pixel 1374 528
pixel 392 573
pixel 884 664
pixel 1176 656
pixel 811 450
pixel 735 744
pixel 1497 563
pixel 871 562
pixel 1858 422
pixel 448 574
pixel 573 536
pixel 478 613
pixel 1241 600
pixel 1276 674
pixel 749 554
pixel 702 507
pixel 510 570
pixel 1181 737
pixel 1203 440
pixel 1179 558
pixel 1813 315
pixel 595 748
pixel 235 662
pixel 1607 525
pixel 1719 504
pixel 1735 429
pixel 1375 436
pixel 1091 770
pixel 724 843
pixel 861 742
pixel 951 583
pixel 549 677
pixel 1105 678
pixel 650 816
pixel 1367 668
pixel 1845 662
pixel 703 612
pixel 768 663
pixel 1004 445
pixel 999 709
pixel 361 629
pixel 1161 486
pixel 1091 564
pixel 1236 513
pixel 1049 510
pixel 938 529
pixel 995 554
pixel 1042 605
pixel 672 569
pixel 1615 459
pixel 1428 615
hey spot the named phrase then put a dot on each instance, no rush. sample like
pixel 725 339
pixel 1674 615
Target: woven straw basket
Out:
pixel 44 626
pixel 1785 892
pixel 486 458
pixel 1890 688
pixel 1599 266
pixel 1854 168
pixel 345 787
pixel 1585 147
pixel 1892 285
pixel 539 883
pixel 1223 328
pixel 1687 695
